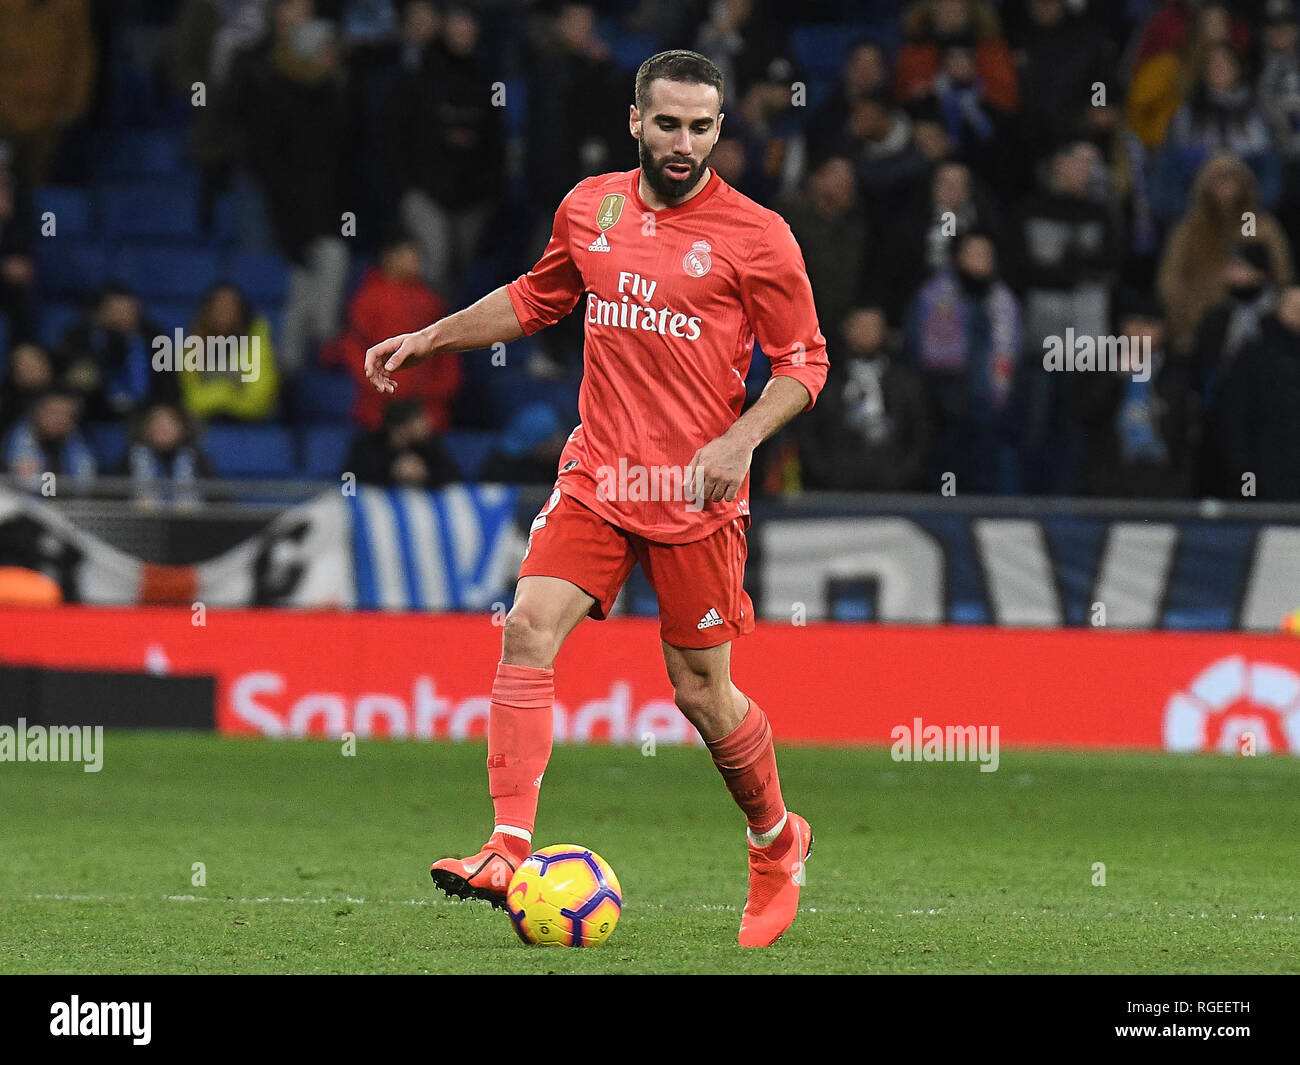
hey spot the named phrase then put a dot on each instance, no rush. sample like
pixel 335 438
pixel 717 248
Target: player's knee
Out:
pixel 696 694
pixel 527 641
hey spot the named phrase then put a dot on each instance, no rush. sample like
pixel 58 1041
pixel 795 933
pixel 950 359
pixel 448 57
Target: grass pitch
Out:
pixel 318 863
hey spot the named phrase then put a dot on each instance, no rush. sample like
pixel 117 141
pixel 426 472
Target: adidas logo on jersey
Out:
pixel 599 244
pixel 710 619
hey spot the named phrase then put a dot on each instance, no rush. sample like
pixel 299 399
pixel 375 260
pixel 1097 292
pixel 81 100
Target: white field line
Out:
pixel 699 907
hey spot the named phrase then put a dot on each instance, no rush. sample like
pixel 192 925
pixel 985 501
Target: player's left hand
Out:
pixel 718 470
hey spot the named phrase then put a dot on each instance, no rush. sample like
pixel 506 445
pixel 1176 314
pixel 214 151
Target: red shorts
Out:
pixel 700 585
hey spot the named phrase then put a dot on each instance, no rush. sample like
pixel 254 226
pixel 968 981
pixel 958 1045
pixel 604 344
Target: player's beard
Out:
pixel 665 187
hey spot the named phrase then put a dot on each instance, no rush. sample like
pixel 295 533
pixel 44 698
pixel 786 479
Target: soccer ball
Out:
pixel 564 896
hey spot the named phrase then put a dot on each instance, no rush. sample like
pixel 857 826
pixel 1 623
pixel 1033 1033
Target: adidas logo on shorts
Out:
pixel 710 619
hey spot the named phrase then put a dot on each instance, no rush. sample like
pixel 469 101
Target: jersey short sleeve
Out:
pixel 550 289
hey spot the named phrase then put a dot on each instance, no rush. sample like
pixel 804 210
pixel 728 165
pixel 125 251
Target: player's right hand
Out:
pixel 391 355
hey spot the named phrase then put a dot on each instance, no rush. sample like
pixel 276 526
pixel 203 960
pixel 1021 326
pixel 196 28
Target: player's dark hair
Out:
pixel 676 65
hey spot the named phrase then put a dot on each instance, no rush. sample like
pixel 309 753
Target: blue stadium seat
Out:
pixel 70 266
pixel 628 50
pixel 143 153
pixel 516 106
pixel 108 443
pixel 54 320
pixel 167 272
pixel 819 50
pixel 73 215
pixel 170 315
pixel 223 219
pixel 324 450
pixel 264 277
pixel 256 451
pixel 149 209
pixel 470 449
pixel 323 396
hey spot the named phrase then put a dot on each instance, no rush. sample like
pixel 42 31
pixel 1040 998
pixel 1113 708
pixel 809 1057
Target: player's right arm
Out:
pixel 489 321
pixel 539 298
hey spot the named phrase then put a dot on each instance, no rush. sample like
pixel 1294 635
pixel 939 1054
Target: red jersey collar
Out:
pixel 711 185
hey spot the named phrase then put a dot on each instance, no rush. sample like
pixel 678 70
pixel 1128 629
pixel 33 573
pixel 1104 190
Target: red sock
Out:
pixel 747 761
pixel 520 731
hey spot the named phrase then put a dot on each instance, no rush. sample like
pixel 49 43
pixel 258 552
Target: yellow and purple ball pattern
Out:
pixel 564 896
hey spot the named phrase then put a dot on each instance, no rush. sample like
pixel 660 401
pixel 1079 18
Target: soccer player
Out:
pixel 677 273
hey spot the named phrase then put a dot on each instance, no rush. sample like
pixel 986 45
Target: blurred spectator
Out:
pixel 297 143
pixel 1224 331
pixel 528 449
pixel 831 229
pixel 577 121
pixel 29 376
pixel 1219 117
pixel 213 44
pixel 392 300
pixel 958 105
pixel 916 244
pixel 1178 21
pixel 1123 185
pixel 577 126
pixel 729 161
pixel 866 71
pixel 49 440
pixel 1230 325
pixel 232 333
pixel 964 333
pixel 889 162
pixel 421 24
pixel 1061 56
pixel 47 72
pixel 17 235
pixel 1223 210
pixel 447 148
pixel 206 37
pixel 406 451
pixel 1068 250
pixel 755 124
pixel 1278 92
pixel 1139 420
pixel 1261 433
pixel 1162 78
pixel 107 356
pixel 163 461
pixel 742 38
pixel 870 430
pixel 957 40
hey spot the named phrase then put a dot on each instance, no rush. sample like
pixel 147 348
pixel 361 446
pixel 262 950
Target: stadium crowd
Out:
pixel 970 182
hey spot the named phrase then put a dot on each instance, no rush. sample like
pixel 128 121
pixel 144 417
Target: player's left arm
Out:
pixel 778 302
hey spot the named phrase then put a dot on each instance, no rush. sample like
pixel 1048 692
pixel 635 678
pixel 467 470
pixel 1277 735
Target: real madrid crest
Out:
pixel 697 261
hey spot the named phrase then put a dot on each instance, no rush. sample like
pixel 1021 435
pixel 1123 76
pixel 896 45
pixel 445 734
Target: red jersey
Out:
pixel 673 300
